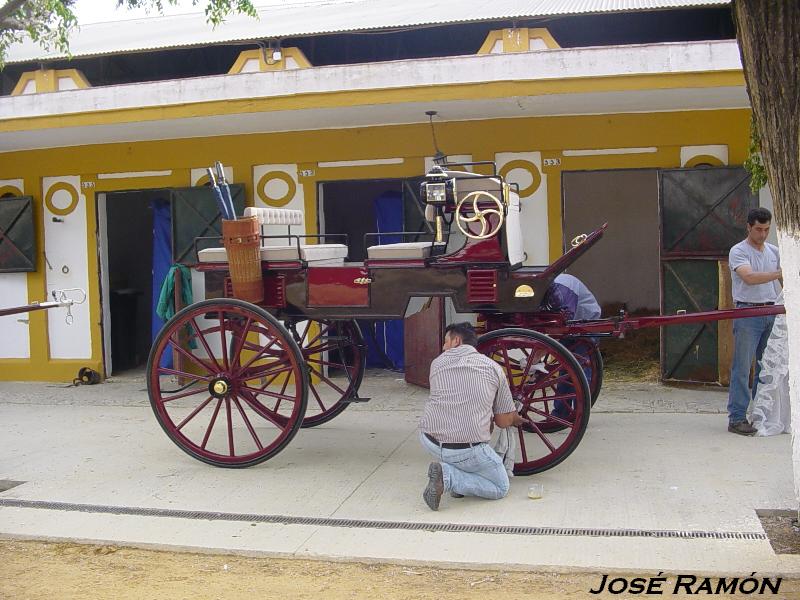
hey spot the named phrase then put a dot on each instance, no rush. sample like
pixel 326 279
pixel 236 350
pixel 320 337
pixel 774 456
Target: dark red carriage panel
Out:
pixel 338 286
pixel 481 286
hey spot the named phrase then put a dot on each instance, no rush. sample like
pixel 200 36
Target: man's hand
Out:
pixel 509 419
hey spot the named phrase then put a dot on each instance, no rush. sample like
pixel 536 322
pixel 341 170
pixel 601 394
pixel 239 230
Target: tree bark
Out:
pixel 769 43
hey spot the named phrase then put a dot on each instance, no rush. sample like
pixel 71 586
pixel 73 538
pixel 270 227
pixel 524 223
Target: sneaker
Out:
pixel 435 488
pixel 742 428
pixel 456 495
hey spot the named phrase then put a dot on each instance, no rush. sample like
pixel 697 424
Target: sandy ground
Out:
pixel 36 570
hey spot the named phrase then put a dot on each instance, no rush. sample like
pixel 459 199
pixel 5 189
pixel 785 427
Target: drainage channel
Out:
pixel 370 524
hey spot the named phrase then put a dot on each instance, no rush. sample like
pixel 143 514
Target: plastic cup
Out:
pixel 535 491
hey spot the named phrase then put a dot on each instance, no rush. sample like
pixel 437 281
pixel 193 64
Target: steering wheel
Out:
pixel 479 215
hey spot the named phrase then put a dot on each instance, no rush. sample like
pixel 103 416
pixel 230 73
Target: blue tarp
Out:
pixel 162 261
pixel 388 338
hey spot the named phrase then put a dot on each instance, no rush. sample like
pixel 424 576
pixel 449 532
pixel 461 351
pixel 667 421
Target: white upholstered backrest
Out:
pixel 275 216
pixel 516 251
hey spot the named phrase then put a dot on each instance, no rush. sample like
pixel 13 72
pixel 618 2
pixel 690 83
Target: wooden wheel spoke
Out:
pixel 193 414
pixel 552 417
pixel 541 435
pixel 261 351
pixel 266 371
pixel 262 410
pixel 567 398
pixel 258 391
pixel 223 341
pixel 507 364
pixel 324 328
pixel 247 423
pixel 195 359
pixel 522 445
pixel 549 381
pixel 326 347
pixel 200 335
pixel 327 363
pixel 211 423
pixel 326 380
pixel 166 371
pixel 237 351
pixel 184 394
pixel 231 450
pixel 316 395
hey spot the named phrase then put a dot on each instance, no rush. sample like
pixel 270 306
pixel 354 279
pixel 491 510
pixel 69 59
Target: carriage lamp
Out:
pixel 436 193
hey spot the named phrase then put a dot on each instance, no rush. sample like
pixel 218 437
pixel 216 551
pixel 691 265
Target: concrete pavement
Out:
pixel 657 484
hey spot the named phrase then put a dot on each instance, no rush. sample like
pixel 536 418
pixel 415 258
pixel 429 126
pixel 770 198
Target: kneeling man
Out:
pixel 468 391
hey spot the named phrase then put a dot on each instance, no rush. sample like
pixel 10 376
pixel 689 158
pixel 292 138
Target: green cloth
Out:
pixel 166 299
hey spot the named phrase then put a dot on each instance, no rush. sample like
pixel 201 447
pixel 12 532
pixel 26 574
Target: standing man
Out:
pixel 755 272
pixel 468 391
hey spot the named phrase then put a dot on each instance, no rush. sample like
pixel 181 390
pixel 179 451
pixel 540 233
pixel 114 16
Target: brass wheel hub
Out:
pixel 219 387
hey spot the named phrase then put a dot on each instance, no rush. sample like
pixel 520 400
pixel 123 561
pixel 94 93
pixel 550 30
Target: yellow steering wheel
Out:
pixel 479 215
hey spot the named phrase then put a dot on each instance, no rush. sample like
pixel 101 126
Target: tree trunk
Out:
pixel 769 43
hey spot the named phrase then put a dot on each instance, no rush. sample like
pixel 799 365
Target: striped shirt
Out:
pixel 467 388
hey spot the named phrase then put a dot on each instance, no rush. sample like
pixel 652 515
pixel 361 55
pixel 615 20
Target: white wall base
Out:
pixel 790 263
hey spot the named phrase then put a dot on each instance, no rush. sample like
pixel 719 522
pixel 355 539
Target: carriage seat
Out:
pixel 401 250
pixel 316 254
pixel 405 250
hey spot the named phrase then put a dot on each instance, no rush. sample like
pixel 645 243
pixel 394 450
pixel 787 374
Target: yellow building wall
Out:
pixel 667 132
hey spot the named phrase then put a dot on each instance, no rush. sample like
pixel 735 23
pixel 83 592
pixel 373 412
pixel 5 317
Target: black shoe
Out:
pixel 435 488
pixel 742 428
pixel 456 495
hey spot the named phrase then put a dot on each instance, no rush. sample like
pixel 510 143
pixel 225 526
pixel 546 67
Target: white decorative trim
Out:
pixel 556 64
pixel 133 174
pixel 604 151
pixel 719 151
pixel 360 163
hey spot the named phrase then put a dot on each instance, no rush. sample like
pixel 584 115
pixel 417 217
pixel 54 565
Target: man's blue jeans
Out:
pixel 749 340
pixel 475 471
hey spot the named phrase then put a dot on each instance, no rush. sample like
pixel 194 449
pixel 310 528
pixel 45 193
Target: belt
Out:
pixel 452 445
pixel 756 303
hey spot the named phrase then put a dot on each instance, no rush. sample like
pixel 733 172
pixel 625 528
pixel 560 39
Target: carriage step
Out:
pixel 354 399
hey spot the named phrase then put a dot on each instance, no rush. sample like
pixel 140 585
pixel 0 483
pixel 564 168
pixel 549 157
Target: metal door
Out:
pixel 195 215
pixel 17 235
pixel 703 213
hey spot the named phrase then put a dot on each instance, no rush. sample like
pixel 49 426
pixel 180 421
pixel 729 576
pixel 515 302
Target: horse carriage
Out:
pixel 276 346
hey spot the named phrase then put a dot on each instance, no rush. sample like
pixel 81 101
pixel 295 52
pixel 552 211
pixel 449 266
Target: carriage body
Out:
pixel 232 381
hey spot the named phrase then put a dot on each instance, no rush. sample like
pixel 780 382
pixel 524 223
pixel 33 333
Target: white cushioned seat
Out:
pixel 403 250
pixel 318 255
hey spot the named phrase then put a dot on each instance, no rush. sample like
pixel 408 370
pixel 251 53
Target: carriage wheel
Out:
pixel 335 356
pixel 588 356
pixel 543 376
pixel 238 392
pixel 587 353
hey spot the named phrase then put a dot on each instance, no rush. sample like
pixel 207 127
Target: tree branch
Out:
pixel 8 9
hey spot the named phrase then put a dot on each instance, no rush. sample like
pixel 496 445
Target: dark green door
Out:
pixel 17 235
pixel 195 215
pixel 703 214
pixel 689 352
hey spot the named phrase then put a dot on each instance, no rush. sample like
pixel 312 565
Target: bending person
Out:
pixel 468 392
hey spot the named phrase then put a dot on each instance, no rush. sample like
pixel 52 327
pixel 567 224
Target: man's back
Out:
pixel 464 396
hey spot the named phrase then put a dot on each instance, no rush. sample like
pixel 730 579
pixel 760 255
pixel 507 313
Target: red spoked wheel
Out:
pixel 552 390
pixel 238 391
pixel 335 355
pixel 589 358
pixel 587 353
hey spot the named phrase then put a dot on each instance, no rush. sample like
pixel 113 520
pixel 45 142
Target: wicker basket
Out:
pixel 241 241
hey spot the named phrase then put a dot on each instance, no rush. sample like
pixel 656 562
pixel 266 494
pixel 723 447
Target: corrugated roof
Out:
pixel 314 18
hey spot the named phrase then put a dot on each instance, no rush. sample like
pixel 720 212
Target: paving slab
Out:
pixel 656 484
